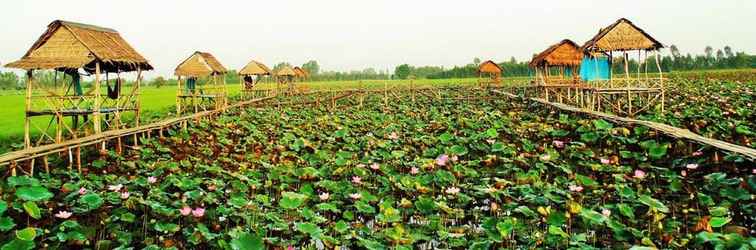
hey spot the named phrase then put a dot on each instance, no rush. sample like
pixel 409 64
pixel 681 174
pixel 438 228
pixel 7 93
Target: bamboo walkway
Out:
pixel 672 131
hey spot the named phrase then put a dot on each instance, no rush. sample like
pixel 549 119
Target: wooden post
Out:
pixel 27 119
pixel 78 159
pixel 225 92
pixel 627 67
pixel 385 94
pixel 661 80
pixel 138 102
pixel 178 97
pixel 46 164
pixel 96 112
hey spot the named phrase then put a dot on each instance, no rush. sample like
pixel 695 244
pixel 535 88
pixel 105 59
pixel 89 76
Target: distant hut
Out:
pixel 286 75
pixel 212 94
pixel 489 73
pixel 252 69
pixel 68 47
pixel 631 94
pixel 300 73
pixel 557 63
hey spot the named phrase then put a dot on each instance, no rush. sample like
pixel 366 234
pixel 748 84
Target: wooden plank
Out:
pixel 672 131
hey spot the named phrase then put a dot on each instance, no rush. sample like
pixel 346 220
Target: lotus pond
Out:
pixel 484 174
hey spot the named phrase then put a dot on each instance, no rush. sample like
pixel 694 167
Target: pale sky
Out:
pixel 354 34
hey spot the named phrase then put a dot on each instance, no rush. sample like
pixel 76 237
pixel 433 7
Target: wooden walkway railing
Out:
pixel 672 131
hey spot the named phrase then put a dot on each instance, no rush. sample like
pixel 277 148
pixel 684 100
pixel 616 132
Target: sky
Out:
pixel 355 34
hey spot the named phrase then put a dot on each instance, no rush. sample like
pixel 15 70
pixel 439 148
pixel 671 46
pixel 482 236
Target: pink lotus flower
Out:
pixel 125 195
pixel 290 248
pixel 375 166
pixel 454 158
pixel 355 196
pixel 684 173
pixel 452 190
pixel 691 166
pixel 211 187
pixel 393 136
pixel 63 214
pixel 605 161
pixel 442 160
pixel 639 174
pixel 185 210
pixel 414 170
pixel 115 188
pixel 697 153
pixel 198 212
pixel 82 191
pixel 151 179
pixel 324 196
pixel 575 188
pixel 606 212
pixel 558 144
pixel 357 180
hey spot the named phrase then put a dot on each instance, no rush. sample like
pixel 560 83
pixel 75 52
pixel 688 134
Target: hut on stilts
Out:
pixel 557 71
pixel 635 91
pixel 285 76
pixel 249 76
pixel 201 83
pixel 76 51
pixel 301 73
pixel 489 73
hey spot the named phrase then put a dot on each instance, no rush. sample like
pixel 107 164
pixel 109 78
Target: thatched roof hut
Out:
pixel 301 73
pixel 200 64
pixel 490 67
pixel 75 45
pixel 565 53
pixel 286 71
pixel 622 35
pixel 255 68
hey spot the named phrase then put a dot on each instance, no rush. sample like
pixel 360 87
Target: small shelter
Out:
pixel 301 74
pixel 629 94
pixel 286 75
pixel 201 66
pixel 73 50
pixel 250 75
pixel 489 73
pixel 558 64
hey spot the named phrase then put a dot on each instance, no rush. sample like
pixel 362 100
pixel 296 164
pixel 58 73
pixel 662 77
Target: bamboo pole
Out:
pixel 27 119
pixel 97 95
pixel 661 79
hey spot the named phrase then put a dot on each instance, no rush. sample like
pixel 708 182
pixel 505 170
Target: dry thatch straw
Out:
pixel 622 35
pixel 285 71
pixel 564 53
pixel 75 45
pixel 255 68
pixel 200 64
pixel 490 67
pixel 301 73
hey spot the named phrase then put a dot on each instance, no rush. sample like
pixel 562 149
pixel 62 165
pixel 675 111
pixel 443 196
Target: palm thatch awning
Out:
pixel 490 67
pixel 75 45
pixel 300 72
pixel 564 53
pixel 285 71
pixel 622 35
pixel 255 68
pixel 200 64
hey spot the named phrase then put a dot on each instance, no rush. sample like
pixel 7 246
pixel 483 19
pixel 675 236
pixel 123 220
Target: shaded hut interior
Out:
pixel 201 80
pixel 489 73
pixel 252 73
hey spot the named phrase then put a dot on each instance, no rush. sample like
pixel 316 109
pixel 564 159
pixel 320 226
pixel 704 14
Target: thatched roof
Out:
pixel 490 67
pixel 255 68
pixel 200 64
pixel 285 71
pixel 620 36
pixel 300 72
pixel 564 53
pixel 75 45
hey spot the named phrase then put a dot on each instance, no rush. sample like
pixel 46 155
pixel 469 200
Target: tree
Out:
pixel 709 51
pixel 158 82
pixel 728 52
pixel 311 67
pixel 675 51
pixel 402 71
pixel 476 61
